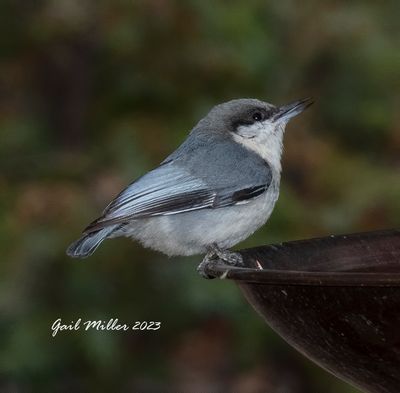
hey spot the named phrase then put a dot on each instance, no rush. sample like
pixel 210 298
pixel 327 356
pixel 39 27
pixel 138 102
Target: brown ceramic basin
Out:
pixel 335 299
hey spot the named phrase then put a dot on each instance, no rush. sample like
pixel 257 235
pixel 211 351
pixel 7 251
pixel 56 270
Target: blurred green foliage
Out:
pixel 94 94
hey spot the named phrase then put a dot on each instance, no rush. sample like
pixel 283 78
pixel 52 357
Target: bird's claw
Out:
pixel 201 269
pixel 229 257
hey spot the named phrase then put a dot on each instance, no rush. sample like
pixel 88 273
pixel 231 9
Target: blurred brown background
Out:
pixel 95 93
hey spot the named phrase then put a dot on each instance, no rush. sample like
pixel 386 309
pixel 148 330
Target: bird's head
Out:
pixel 257 125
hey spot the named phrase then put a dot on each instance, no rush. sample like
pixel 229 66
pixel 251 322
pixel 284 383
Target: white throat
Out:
pixel 265 139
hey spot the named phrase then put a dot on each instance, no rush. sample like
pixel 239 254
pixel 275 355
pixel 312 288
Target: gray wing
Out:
pixel 204 172
pixel 170 189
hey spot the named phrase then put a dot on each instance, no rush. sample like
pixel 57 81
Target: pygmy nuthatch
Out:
pixel 214 191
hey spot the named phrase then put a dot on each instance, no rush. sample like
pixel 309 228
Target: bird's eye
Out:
pixel 257 116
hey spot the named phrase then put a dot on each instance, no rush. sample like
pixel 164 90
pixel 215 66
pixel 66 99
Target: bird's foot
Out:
pixel 201 269
pixel 229 257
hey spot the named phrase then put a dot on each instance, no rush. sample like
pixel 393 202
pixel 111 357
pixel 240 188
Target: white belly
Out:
pixel 193 232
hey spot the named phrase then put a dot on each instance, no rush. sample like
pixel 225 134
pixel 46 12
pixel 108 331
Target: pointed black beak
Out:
pixel 286 112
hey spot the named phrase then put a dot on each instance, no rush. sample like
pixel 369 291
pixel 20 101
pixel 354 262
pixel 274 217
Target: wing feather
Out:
pixel 166 190
pixel 170 189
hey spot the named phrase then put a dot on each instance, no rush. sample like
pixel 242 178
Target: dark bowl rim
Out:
pixel 242 275
pixel 291 277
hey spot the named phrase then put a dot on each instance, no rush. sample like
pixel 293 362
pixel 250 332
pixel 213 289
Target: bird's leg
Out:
pixel 206 260
pixel 229 257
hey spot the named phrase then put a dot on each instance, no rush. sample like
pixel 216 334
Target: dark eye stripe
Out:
pixel 248 119
pixel 258 116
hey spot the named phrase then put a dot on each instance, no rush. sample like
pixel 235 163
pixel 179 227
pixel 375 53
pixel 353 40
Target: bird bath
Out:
pixel 334 299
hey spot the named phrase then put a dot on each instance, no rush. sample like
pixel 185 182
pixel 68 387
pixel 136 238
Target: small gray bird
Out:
pixel 214 191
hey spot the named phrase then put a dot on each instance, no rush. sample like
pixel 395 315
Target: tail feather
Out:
pixel 87 244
